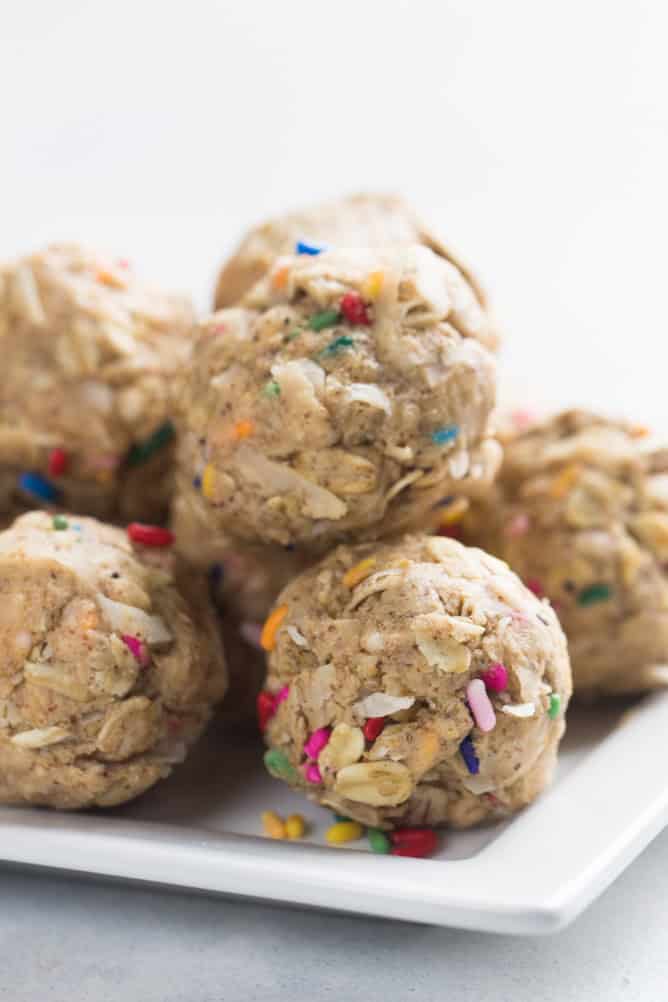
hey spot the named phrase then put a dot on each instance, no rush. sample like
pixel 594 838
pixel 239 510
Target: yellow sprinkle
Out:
pixel 344 831
pixel 454 512
pixel 295 826
pixel 280 277
pixel 243 429
pixel 563 482
pixel 273 825
pixel 358 572
pixel 209 482
pixel 373 285
pixel 270 628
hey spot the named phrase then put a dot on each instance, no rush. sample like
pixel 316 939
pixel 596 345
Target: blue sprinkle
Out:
pixel 303 248
pixel 289 547
pixel 197 482
pixel 445 435
pixel 35 483
pixel 446 501
pixel 216 573
pixel 467 750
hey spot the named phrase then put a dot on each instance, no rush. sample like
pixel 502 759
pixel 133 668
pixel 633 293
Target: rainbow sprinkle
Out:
pixel 35 483
pixel 326 318
pixel 594 593
pixel 142 451
pixel 302 247
pixel 555 706
pixel 277 764
pixel 337 345
pixel 467 751
pixel 60 522
pixel 271 389
pixel 443 436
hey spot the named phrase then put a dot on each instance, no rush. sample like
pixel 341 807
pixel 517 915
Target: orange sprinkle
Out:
pixel 373 284
pixel 280 277
pixel 454 512
pixel 563 482
pixel 108 278
pixel 270 628
pixel 358 572
pixel 640 431
pixel 243 429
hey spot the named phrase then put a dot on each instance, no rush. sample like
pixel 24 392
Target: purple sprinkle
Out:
pixel 467 750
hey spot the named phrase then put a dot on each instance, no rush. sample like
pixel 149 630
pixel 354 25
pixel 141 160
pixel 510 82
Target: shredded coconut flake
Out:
pixel 519 709
pixel 381 704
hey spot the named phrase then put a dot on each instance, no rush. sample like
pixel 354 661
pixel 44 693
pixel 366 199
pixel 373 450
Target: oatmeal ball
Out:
pixel 345 396
pixel 581 514
pixel 109 670
pixel 414 682
pixel 356 221
pixel 89 358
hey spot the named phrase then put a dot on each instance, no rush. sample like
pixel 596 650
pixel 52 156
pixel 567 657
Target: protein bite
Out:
pixel 414 682
pixel 364 220
pixel 346 395
pixel 89 356
pixel 581 513
pixel 109 671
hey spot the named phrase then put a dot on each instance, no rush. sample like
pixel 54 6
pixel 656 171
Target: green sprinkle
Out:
pixel 594 593
pixel 555 706
pixel 341 817
pixel 378 840
pixel 142 451
pixel 60 522
pixel 272 389
pixel 277 764
pixel 337 345
pixel 328 318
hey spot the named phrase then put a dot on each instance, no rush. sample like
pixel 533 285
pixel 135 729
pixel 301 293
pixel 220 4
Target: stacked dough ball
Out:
pixel 111 654
pixel 328 409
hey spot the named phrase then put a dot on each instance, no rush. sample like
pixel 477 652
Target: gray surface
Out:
pixel 67 940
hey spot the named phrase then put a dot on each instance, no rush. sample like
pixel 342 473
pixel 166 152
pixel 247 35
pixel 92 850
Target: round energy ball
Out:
pixel 414 682
pixel 347 395
pixel 109 671
pixel 580 512
pixel 89 355
pixel 363 220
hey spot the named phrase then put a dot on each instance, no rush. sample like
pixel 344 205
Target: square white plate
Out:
pixel 201 829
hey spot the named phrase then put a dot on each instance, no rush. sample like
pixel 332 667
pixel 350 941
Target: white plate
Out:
pixel 201 829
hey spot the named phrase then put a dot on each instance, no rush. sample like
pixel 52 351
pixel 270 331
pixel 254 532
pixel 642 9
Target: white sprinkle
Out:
pixel 519 709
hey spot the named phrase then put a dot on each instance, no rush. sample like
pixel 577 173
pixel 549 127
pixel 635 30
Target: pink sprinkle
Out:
pixel 282 694
pixel 522 419
pixel 123 262
pixel 313 773
pixel 495 677
pixel 534 585
pixel 250 632
pixel 481 707
pixel 138 649
pixel 518 525
pixel 316 742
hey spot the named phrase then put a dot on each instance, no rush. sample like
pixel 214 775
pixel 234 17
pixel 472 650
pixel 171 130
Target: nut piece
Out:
pixel 345 746
pixel 380 784
pixel 130 728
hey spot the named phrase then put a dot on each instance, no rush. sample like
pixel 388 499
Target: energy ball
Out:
pixel 356 221
pixel 581 514
pixel 89 356
pixel 414 682
pixel 109 671
pixel 346 395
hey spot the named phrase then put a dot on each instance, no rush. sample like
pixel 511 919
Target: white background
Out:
pixel 535 136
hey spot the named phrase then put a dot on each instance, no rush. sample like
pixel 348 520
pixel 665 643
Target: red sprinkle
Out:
pixel 354 309
pixel 373 727
pixel 58 462
pixel 495 677
pixel 534 585
pixel 413 841
pixel 452 531
pixel 150 535
pixel 266 708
